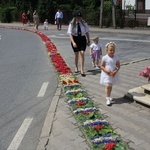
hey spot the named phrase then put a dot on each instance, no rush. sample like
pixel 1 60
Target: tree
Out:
pixel 101 14
pixel 46 10
pixel 113 13
pixel 6 3
pixel 23 5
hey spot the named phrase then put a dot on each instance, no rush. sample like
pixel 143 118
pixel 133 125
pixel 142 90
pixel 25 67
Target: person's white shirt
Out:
pixel 95 47
pixel 45 25
pixel 84 29
pixel 59 15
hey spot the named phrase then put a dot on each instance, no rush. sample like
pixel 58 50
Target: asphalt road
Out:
pixel 25 67
pixel 129 47
pixel 27 85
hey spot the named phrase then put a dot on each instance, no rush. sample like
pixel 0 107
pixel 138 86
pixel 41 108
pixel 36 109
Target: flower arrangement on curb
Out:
pixel 145 73
pixel 96 129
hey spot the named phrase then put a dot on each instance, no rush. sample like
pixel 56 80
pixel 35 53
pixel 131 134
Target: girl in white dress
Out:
pixel 45 25
pixel 110 66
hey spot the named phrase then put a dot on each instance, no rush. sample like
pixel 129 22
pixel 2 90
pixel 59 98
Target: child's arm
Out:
pixel 117 68
pixel 90 51
pixel 72 40
pixel 100 51
pixel 102 66
pixel 118 65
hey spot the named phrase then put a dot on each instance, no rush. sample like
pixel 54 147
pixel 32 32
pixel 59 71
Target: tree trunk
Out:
pixel 113 14
pixel 101 14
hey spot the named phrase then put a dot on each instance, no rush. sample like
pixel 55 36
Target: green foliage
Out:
pixel 119 17
pixel 43 9
pixel 92 17
pixel 23 5
pixel 107 14
pixel 129 7
pixel 8 14
pixel 81 116
pixel 6 3
pixel 46 9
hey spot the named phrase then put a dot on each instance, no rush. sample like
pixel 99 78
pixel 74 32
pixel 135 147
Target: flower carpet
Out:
pixel 98 132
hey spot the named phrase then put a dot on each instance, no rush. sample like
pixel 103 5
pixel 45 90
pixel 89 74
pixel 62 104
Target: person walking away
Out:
pixel 78 31
pixel 28 17
pixel 24 18
pixel 95 52
pixel 34 17
pixel 110 66
pixel 58 19
pixel 45 25
pixel 36 21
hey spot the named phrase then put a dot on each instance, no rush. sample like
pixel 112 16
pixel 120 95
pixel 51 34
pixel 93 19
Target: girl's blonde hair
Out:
pixel 111 44
pixel 95 38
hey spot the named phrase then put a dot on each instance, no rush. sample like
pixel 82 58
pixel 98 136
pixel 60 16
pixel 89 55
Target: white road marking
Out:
pixel 20 134
pixel 125 40
pixel 60 37
pixel 43 89
pixel 0 37
pixel 113 39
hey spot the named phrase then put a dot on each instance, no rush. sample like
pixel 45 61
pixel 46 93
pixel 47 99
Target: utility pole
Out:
pixel 113 13
pixel 101 13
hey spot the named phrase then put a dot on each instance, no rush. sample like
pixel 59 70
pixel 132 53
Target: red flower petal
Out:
pixel 110 146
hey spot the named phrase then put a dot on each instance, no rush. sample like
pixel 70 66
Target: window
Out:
pixel 140 4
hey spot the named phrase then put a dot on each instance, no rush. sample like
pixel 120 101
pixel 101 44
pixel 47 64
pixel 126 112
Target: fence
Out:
pixel 136 18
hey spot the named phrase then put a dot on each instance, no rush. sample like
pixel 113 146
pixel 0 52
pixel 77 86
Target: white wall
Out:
pixel 127 2
pixel 147 4
pixel 132 2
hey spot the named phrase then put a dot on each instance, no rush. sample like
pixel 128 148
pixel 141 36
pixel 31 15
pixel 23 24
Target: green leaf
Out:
pixel 91 115
pixel 120 146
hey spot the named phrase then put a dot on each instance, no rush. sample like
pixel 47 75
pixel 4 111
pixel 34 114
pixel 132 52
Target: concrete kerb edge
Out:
pixel 120 31
pixel 128 95
pixel 136 61
pixel 48 123
pixel 92 29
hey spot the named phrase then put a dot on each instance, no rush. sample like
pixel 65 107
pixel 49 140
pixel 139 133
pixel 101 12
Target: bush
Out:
pixel 8 14
pixel 107 14
pixel 131 23
pixel 92 17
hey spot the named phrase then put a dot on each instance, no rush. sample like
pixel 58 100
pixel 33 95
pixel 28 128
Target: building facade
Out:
pixel 138 4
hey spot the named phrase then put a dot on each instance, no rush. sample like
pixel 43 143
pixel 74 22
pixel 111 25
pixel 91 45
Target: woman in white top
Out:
pixel 79 36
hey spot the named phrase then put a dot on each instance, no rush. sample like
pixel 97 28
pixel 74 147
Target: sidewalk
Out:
pixel 136 30
pixel 131 120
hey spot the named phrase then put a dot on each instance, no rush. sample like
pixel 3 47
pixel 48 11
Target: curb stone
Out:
pixel 48 123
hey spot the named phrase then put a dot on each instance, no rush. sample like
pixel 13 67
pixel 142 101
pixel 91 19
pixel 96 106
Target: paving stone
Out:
pixel 136 140
pixel 145 146
pixel 65 129
pixel 122 132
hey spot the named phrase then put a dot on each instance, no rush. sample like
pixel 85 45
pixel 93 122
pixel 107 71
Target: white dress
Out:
pixel 45 25
pixel 110 64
